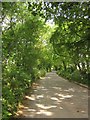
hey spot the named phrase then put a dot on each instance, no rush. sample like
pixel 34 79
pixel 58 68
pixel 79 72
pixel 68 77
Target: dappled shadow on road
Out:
pixel 42 104
pixel 52 98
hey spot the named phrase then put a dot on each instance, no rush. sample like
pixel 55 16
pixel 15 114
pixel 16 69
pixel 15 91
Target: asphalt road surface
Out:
pixel 55 97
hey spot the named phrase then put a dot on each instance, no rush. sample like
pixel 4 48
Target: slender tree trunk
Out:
pixel 64 65
pixel 87 62
pixel 83 66
pixel 79 67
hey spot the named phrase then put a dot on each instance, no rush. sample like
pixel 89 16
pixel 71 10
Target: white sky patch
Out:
pixel 50 22
pixel 5 23
pixel 44 42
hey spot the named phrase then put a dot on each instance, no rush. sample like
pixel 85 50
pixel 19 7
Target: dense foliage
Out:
pixel 31 47
pixel 26 53
pixel 71 41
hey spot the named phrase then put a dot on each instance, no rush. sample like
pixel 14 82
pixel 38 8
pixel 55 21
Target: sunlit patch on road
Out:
pixel 61 108
pixel 45 107
pixel 39 96
pixel 45 112
pixel 63 96
pixel 56 99
pixel 31 110
pixel 70 89
pixel 30 98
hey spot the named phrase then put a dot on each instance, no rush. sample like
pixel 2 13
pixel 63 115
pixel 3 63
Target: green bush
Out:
pixel 15 83
pixel 42 72
pixel 74 76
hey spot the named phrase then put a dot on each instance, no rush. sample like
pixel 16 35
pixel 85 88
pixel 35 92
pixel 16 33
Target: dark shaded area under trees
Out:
pixel 31 47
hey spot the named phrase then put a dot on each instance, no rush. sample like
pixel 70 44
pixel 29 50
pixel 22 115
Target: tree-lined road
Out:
pixel 55 97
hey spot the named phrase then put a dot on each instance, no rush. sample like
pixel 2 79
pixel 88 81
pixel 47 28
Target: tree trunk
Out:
pixel 64 65
pixel 79 67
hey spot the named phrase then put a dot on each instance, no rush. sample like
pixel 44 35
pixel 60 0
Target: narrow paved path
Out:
pixel 55 97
